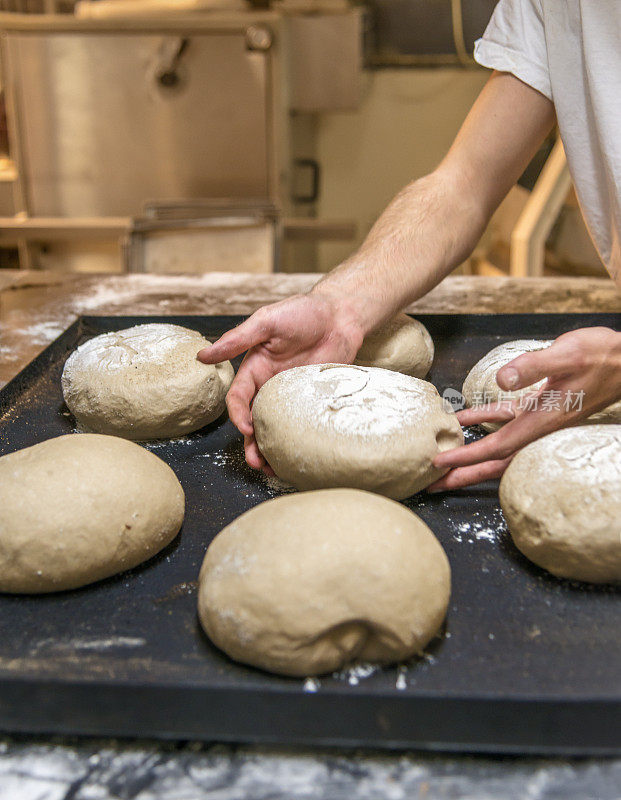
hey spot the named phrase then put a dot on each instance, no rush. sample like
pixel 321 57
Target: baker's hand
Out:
pixel 583 371
pixel 313 328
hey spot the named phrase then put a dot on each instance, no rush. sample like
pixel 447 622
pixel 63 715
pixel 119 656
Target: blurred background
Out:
pixel 177 136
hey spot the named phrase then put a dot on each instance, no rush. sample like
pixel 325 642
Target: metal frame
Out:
pixel 541 211
pixel 205 215
pixel 213 24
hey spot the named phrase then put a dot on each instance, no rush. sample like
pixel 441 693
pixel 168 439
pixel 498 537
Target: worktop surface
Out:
pixel 36 307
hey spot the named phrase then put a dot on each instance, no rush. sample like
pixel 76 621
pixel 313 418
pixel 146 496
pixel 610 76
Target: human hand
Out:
pixel 583 364
pixel 313 328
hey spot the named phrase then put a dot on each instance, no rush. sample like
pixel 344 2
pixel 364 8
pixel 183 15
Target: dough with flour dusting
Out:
pixel 145 382
pixel 561 497
pixel 402 344
pixel 331 425
pixel 305 584
pixel 480 385
pixel 79 508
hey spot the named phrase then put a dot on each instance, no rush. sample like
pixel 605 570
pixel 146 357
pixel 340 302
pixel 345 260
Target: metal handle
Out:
pixel 312 164
pixel 258 38
pixel 167 74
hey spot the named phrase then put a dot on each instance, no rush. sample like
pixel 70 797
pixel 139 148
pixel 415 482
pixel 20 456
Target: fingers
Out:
pixel 467 476
pixel 254 458
pixel 572 353
pixel 486 449
pixel 255 330
pixel 530 368
pixel 239 400
pixel 517 433
pixel 492 412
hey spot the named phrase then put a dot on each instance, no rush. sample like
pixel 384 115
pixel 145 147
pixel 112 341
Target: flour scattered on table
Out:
pixel 89 644
pixel 234 462
pixel 356 672
pixel 488 526
pixel 275 485
pixel 473 434
pixel 43 332
pixel 156 444
pixel 401 683
pixel 8 354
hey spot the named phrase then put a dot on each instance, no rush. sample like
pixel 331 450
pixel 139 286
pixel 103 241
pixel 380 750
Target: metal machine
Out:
pixel 106 115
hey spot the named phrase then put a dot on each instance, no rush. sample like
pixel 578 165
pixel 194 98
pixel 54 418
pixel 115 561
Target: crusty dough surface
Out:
pixel 480 384
pixel 334 425
pixel 145 382
pixel 561 497
pixel 402 344
pixel 307 583
pixel 79 508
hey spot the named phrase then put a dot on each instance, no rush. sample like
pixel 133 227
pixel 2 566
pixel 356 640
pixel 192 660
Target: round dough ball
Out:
pixel 611 415
pixel 480 385
pixel 402 344
pixel 145 382
pixel 79 508
pixel 305 584
pixel 562 501
pixel 331 425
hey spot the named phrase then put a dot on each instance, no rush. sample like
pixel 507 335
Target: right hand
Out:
pixel 313 328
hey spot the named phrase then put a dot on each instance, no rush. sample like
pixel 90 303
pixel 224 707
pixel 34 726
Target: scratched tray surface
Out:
pixel 526 662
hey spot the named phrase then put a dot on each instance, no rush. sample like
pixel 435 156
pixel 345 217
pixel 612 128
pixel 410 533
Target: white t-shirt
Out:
pixel 570 51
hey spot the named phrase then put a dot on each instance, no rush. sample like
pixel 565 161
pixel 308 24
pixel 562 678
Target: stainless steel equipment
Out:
pixel 106 114
pixel 239 236
pixel 110 120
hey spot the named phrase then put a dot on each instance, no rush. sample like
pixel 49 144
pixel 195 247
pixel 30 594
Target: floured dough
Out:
pixel 480 385
pixel 331 425
pixel 79 508
pixel 145 382
pixel 402 344
pixel 561 497
pixel 306 583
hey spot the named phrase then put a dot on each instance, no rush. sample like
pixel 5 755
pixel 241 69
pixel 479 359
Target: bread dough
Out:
pixel 307 583
pixel 402 344
pixel 79 508
pixel 561 497
pixel 480 385
pixel 331 425
pixel 611 415
pixel 145 382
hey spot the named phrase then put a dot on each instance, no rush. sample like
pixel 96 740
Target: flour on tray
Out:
pixel 489 526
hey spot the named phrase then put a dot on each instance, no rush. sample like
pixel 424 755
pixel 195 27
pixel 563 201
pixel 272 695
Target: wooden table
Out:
pixel 35 307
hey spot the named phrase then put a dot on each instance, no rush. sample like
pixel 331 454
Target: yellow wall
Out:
pixel 405 123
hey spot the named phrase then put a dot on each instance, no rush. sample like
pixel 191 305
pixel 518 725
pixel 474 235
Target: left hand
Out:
pixel 583 364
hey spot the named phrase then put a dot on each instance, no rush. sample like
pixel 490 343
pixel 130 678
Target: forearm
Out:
pixel 434 223
pixel 429 228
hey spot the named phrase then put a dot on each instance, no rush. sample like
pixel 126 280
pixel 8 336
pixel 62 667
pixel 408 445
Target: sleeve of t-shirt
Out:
pixel 514 41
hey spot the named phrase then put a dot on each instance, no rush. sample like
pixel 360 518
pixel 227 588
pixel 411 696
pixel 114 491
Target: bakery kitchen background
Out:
pixel 225 578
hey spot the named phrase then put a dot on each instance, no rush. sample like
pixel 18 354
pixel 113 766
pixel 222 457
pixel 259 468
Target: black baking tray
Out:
pixel 527 663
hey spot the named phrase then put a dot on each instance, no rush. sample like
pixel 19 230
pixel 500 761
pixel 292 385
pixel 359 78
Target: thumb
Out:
pixel 530 368
pixel 249 333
